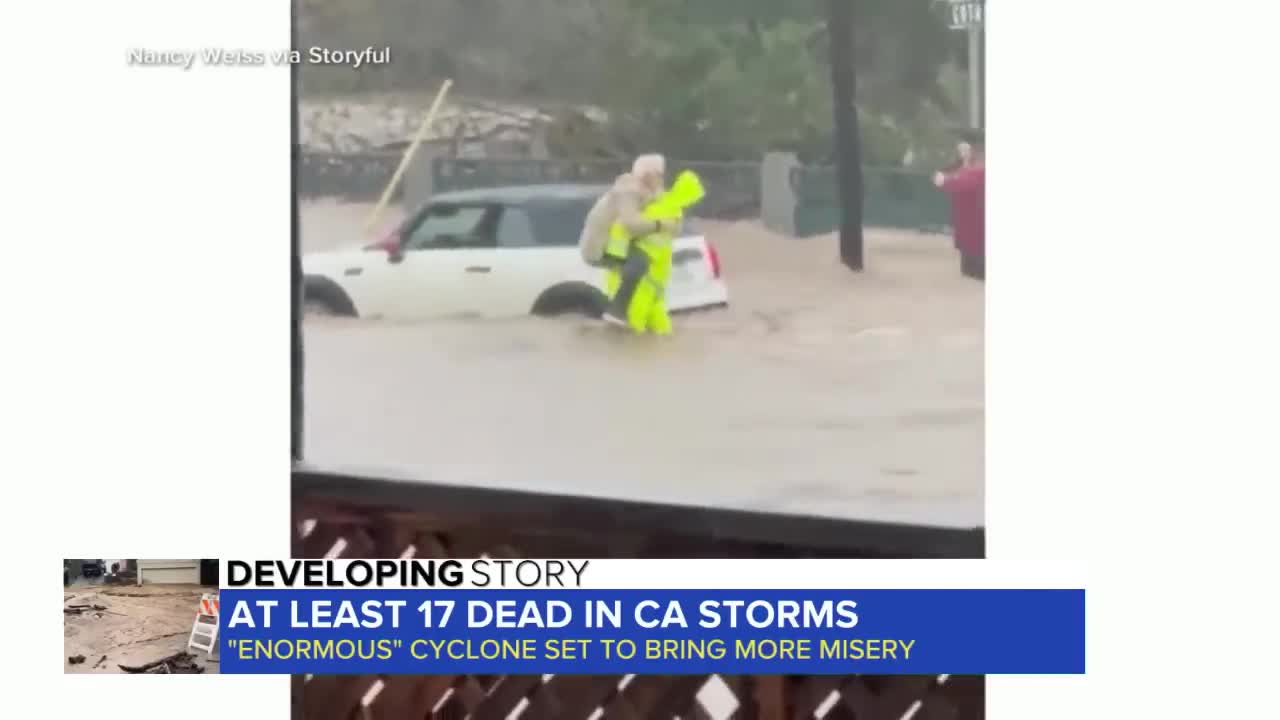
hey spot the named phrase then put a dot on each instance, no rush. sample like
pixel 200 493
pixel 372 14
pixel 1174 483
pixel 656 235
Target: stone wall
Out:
pixel 472 127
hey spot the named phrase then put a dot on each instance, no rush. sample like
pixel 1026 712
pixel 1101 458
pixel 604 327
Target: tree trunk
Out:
pixel 848 149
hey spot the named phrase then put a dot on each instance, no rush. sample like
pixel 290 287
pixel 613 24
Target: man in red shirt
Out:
pixel 967 187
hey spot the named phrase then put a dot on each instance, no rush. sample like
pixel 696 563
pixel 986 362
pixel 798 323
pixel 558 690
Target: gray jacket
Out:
pixel 623 203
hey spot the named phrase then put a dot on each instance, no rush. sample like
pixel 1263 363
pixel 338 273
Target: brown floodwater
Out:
pixel 818 391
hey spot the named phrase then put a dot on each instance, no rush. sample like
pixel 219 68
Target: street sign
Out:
pixel 966 14
pixel 970 16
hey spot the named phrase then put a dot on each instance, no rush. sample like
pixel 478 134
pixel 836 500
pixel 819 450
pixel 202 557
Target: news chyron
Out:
pixel 405 574
pixel 608 616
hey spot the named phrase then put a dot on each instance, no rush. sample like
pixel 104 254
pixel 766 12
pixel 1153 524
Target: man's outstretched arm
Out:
pixel 962 180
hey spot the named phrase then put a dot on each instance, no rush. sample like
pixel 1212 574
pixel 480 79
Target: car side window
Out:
pixel 559 224
pixel 443 227
pixel 515 230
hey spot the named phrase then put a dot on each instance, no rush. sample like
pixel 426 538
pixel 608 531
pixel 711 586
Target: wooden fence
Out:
pixel 352 517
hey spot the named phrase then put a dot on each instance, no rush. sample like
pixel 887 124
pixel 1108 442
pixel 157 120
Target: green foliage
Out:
pixel 688 85
pixel 712 79
pixel 728 78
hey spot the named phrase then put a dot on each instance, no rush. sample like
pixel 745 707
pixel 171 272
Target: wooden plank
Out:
pixel 506 694
pixel 405 696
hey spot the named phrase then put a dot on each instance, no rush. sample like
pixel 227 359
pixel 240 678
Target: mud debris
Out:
pixel 181 663
pixel 81 609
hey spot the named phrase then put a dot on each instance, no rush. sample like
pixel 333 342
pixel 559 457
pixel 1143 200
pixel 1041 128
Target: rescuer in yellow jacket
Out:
pixel 646 311
pixel 622 205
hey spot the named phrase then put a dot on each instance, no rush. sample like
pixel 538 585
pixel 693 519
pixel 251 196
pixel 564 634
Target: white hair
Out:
pixel 652 164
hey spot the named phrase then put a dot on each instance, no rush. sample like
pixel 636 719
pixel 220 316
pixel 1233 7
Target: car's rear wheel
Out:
pixel 574 298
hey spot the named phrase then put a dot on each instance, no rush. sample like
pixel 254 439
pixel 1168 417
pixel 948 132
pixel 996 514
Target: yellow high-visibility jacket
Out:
pixel 648 309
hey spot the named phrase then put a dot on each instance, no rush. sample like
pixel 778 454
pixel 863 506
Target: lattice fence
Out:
pixel 327 528
pixel 635 697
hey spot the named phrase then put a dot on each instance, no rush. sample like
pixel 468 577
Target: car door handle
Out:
pixel 478 269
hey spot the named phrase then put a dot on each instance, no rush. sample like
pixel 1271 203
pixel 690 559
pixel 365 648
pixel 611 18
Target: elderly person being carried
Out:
pixel 624 204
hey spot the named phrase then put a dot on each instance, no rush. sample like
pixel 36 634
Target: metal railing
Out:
pixel 733 188
pixel 894 198
pixel 357 177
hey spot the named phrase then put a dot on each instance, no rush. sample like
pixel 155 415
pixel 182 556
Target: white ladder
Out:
pixel 204 631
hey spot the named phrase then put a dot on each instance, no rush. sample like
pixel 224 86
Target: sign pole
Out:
pixel 982 74
pixel 970 16
pixel 975 78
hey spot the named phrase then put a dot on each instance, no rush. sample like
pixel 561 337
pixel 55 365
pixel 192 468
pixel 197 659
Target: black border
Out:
pixel 295 248
pixel 831 537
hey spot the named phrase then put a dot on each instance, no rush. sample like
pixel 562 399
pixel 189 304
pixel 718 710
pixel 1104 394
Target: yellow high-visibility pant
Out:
pixel 647 312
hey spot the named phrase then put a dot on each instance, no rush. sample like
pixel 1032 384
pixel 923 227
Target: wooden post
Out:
pixel 408 155
pixel 847 145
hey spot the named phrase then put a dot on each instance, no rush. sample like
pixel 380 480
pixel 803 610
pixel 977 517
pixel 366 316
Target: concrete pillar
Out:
pixel 538 145
pixel 419 179
pixel 777 196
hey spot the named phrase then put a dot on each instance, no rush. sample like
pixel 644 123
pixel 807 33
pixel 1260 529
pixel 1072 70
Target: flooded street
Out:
pixel 818 391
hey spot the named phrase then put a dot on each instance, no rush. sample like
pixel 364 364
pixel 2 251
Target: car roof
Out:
pixel 523 194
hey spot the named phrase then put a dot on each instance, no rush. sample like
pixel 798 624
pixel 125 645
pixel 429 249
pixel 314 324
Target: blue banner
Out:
pixel 492 632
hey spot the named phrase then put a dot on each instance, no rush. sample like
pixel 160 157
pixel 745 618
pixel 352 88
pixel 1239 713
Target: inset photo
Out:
pixel 140 616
